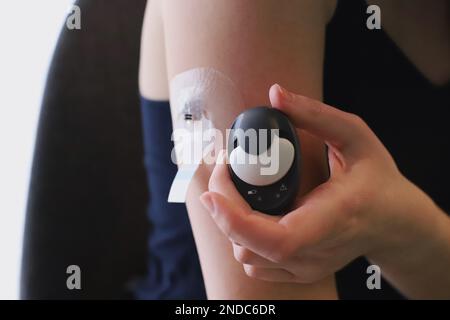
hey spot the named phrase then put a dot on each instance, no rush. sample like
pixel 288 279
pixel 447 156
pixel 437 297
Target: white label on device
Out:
pixel 251 168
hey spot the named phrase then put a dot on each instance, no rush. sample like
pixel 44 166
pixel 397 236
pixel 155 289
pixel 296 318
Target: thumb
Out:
pixel 250 229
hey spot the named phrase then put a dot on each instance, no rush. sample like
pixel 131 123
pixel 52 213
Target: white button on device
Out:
pixel 256 170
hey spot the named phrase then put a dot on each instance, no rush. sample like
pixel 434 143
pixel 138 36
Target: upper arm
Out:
pixel 255 43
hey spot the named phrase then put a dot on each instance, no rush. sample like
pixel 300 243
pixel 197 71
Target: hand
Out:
pixel 365 208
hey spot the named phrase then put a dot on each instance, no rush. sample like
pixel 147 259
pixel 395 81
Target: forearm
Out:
pixel 417 260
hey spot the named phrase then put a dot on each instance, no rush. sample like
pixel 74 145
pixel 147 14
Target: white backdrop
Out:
pixel 28 34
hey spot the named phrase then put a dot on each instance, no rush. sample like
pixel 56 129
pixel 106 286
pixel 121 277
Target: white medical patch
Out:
pixel 201 99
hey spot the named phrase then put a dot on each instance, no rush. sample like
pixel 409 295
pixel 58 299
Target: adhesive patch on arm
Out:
pixel 204 102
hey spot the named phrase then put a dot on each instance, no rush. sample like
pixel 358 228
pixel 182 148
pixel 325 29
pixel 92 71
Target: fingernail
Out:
pixel 207 202
pixel 221 157
pixel 287 96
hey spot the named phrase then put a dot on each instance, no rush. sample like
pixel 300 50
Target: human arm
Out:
pixel 254 43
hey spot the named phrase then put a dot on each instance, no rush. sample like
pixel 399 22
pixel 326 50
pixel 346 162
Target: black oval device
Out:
pixel 264 159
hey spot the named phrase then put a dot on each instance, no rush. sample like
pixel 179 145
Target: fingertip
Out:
pixel 275 95
pixel 220 175
pixel 275 89
pixel 222 157
pixel 280 97
pixel 215 203
pixel 207 201
pixel 217 200
pixel 229 210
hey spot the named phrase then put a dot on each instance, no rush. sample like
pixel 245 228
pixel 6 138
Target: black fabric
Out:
pixel 367 74
pixel 88 191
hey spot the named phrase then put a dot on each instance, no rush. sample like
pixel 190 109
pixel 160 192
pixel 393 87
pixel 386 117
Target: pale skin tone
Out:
pixel 389 220
pixel 242 41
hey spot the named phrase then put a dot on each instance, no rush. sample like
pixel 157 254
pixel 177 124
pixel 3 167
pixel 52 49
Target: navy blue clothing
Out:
pixel 173 266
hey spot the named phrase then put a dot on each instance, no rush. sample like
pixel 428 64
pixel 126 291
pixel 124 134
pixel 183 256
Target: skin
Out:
pixel 290 51
pixel 266 52
pixel 387 219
